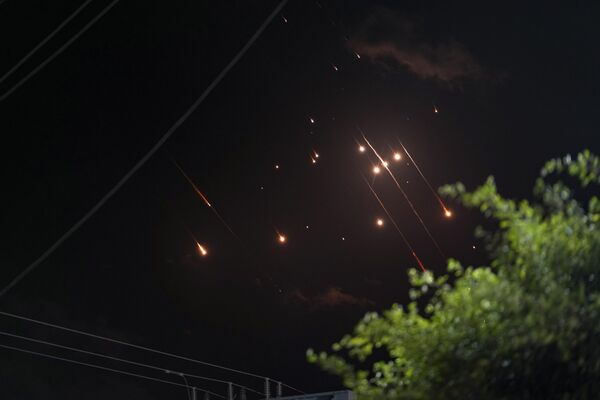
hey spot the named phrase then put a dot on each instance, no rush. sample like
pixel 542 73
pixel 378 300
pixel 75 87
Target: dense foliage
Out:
pixel 525 327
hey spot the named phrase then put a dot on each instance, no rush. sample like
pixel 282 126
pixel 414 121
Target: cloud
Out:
pixel 331 297
pixel 386 38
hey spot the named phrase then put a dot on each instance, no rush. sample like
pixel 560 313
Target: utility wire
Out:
pixel 60 346
pixel 150 153
pixel 58 51
pixel 43 42
pixel 103 368
pixel 135 346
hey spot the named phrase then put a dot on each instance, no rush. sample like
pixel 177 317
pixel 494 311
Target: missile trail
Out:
pixel 203 197
pixel 414 210
pixel 192 184
pixel 404 239
pixel 447 212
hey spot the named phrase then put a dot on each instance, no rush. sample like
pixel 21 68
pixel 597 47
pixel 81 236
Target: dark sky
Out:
pixel 515 84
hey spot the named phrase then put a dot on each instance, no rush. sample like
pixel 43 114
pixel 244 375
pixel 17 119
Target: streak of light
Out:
pixel 357 55
pixel 447 212
pixel 412 207
pixel 315 153
pixel 281 238
pixel 385 164
pixel 404 239
pixel 284 19
pixel 312 120
pixel 435 110
pixel 419 261
pixel 192 184
pixel 335 68
pixel 313 160
pixel 214 210
pixel 201 249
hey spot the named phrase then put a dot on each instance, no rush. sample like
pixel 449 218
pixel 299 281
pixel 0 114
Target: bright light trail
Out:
pixel 214 210
pixel 404 239
pixel 447 212
pixel 412 207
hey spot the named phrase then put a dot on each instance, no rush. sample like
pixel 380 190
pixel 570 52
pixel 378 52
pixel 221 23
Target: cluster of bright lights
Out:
pixel 314 156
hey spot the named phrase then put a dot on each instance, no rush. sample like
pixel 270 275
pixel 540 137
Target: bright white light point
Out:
pixel 357 55
pixel 312 120
pixel 447 213
pixel 313 160
pixel 343 238
pixel 334 67
pixel 201 249
pixel 276 166
pixel 316 154
pixel 379 222
pixel 474 247
pixel 435 110
pixel 397 156
pixel 306 226
pixel 361 148
pixel 282 239
pixel 376 170
pixel 385 164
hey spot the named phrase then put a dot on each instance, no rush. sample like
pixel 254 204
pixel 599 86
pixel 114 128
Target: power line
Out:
pixel 43 42
pixel 59 50
pixel 150 153
pixel 103 368
pixel 139 364
pixel 135 346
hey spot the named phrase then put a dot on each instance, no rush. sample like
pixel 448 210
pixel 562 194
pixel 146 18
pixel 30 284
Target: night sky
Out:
pixel 514 84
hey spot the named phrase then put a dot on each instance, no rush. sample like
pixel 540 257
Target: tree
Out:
pixel 527 326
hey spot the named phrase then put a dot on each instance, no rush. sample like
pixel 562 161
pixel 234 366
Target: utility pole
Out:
pixel 229 391
pixel 279 390
pixel 267 389
pixel 194 393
